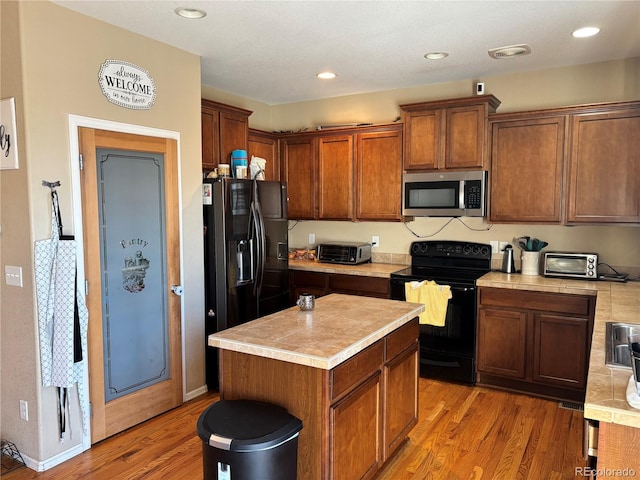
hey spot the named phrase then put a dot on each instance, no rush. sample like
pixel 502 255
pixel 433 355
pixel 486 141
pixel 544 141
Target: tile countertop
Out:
pixel 616 302
pixel 339 327
pixel 383 270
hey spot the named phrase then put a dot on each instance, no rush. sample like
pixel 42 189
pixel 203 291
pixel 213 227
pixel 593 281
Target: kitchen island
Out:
pixel 348 369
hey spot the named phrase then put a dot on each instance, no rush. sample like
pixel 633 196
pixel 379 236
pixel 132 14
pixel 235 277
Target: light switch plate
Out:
pixel 13 275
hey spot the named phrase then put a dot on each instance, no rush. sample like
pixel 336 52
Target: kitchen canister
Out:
pixel 239 159
pixel 530 263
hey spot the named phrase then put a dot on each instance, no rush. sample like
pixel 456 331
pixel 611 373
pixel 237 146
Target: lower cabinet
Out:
pixel 535 342
pixel 320 283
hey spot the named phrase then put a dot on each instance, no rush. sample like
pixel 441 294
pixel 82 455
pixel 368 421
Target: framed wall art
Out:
pixel 8 138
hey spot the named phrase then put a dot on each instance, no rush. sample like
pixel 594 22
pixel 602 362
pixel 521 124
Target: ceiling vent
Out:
pixel 510 51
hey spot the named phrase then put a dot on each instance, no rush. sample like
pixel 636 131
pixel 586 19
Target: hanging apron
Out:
pixel 62 318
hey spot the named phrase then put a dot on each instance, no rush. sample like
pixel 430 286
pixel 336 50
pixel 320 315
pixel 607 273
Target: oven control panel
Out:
pixel 435 248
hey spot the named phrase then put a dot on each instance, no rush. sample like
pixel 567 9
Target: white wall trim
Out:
pixel 196 393
pixel 75 122
pixel 41 466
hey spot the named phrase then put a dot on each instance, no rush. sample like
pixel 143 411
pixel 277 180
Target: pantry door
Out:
pixel 130 220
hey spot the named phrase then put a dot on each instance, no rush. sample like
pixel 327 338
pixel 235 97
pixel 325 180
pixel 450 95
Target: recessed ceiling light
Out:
pixel 190 12
pixel 586 32
pixel 436 55
pixel 326 75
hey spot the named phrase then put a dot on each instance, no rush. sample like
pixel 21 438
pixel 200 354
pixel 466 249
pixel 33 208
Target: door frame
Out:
pixel 75 122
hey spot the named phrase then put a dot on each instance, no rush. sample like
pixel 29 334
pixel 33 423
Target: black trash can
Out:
pixel 248 440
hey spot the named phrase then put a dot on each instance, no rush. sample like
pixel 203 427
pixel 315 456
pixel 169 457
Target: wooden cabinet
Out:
pixel 224 129
pixel 348 174
pixel 535 342
pixel 320 283
pixel 618 447
pixel 335 179
pixel 378 175
pixel 265 145
pixel 355 416
pixel 604 168
pixel 447 134
pixel 300 173
pixel 527 159
pixel 571 165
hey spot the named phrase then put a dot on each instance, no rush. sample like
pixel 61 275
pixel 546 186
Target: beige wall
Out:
pixel 600 82
pixel 50 62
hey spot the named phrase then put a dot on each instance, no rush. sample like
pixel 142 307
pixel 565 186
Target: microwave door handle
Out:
pixel 461 195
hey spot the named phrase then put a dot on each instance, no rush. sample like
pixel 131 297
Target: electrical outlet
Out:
pixel 24 410
pixel 502 245
pixel 494 246
pixel 375 241
pixel 312 239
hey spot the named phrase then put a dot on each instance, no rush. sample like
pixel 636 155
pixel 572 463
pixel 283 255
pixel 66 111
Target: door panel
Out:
pixel 128 226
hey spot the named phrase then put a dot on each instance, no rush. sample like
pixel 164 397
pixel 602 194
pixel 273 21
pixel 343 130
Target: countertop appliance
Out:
pixel 448 352
pixel 344 253
pixel 444 194
pixel 245 255
pixel 571 265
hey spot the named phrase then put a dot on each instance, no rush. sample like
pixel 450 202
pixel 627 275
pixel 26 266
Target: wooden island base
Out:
pixel 355 415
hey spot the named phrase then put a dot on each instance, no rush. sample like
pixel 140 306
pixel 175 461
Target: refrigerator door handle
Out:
pixel 262 245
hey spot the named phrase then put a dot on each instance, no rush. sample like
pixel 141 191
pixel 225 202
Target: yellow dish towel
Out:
pixel 434 297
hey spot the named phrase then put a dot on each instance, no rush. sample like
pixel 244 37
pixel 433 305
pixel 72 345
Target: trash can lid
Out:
pixel 246 425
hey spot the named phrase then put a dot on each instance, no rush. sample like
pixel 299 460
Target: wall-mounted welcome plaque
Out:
pixel 127 85
pixel 8 138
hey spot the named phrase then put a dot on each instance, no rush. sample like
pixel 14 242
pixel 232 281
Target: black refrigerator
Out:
pixel 245 256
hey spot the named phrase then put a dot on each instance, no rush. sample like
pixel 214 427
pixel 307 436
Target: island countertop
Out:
pixel 339 327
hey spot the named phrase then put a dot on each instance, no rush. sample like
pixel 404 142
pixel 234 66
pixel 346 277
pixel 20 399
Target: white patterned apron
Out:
pixel 62 318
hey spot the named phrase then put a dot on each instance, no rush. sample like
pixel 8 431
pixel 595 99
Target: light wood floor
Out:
pixel 468 433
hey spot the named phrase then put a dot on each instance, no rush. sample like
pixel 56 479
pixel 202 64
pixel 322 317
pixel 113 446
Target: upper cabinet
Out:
pixel 265 145
pixel 527 155
pixel 447 134
pixel 224 129
pixel 347 174
pixel 604 167
pixel 572 165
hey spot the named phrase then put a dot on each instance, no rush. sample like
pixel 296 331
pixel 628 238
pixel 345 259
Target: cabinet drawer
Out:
pixel 309 279
pixel 547 302
pixel 360 284
pixel 348 374
pixel 401 338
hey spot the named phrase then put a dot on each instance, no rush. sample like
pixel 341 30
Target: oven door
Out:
pixel 448 352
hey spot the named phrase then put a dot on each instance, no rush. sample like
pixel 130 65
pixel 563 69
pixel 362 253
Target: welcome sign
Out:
pixel 127 85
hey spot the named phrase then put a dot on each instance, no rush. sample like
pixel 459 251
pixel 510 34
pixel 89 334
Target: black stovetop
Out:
pixel 447 260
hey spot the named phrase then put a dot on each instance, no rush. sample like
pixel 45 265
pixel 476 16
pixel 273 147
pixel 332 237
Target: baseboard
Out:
pixel 43 465
pixel 195 393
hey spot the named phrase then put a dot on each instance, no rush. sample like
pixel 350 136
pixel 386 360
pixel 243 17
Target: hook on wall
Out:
pixel 51 185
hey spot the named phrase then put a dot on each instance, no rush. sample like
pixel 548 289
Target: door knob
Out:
pixel 177 289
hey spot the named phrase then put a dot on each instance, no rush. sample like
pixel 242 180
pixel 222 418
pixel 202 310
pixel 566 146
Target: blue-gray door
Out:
pixel 132 251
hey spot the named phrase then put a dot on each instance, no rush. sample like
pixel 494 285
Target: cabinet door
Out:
pixel 502 342
pixel 604 179
pixel 355 446
pixel 401 387
pixel 379 175
pixel 265 145
pixel 526 170
pixel 465 137
pixel 210 124
pixel 335 160
pixel 234 134
pixel 560 351
pixel 422 131
pixel 299 161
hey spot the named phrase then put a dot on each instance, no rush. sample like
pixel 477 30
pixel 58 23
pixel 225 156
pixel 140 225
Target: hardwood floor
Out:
pixel 464 433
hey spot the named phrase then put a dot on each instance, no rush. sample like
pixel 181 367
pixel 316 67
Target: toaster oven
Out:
pixel 571 265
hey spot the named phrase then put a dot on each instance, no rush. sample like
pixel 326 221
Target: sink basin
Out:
pixel 617 343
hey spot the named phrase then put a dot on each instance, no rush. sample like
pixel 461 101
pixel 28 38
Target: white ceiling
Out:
pixel 270 51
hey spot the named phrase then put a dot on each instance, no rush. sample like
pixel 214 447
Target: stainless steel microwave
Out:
pixel 571 265
pixel 444 194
